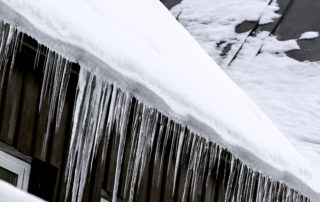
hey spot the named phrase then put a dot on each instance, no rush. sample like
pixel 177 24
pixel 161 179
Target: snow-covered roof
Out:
pixel 285 89
pixel 141 47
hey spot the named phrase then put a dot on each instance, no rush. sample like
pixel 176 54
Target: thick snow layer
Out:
pixel 309 35
pixel 9 193
pixel 288 91
pixel 140 46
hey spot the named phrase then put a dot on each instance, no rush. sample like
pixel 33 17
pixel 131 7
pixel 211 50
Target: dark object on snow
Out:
pixel 170 3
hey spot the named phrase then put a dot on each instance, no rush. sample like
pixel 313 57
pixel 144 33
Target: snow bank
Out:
pixel 9 193
pixel 140 46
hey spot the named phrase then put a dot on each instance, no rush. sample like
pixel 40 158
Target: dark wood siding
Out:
pixel 23 124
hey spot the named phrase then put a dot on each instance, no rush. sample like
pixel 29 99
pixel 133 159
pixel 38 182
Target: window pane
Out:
pixel 8 176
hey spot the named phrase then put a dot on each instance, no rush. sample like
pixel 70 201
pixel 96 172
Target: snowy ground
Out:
pixel 9 193
pixel 288 91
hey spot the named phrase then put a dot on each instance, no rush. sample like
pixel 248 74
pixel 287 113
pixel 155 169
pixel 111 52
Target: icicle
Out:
pixel 146 149
pixel 203 164
pixel 80 118
pixel 122 133
pixel 285 194
pixel 252 186
pixel 212 156
pixel 62 92
pixel 14 49
pixel 265 189
pixel 163 124
pixel 196 168
pixel 72 155
pixel 54 87
pixel 87 127
pixel 278 191
pixel 21 41
pixel 189 171
pixel 240 183
pixel 180 144
pixel 105 99
pixel 230 179
pixel 11 39
pixel 176 128
pixel 224 177
pixel 259 189
pixel 272 192
pixel 37 57
pixel 47 68
pixel 246 185
pixel 141 143
pixel 4 38
pixel 6 47
pixel 166 137
pixel 80 146
pixel 218 159
pixel 133 146
pixel 3 50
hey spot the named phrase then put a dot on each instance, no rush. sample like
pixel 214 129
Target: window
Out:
pixel 14 171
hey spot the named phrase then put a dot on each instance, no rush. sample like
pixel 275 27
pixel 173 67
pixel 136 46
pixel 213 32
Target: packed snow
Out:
pixel 288 91
pixel 309 35
pixel 155 58
pixel 9 193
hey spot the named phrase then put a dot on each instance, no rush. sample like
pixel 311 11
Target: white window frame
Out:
pixel 103 200
pixel 17 166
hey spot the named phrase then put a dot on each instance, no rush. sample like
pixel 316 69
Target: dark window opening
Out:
pixel 8 176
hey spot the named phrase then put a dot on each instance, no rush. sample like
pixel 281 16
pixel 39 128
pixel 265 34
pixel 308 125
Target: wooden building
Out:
pixel 177 165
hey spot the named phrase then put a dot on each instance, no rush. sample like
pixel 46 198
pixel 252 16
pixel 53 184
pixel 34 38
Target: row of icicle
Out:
pixel 102 109
pixel 55 79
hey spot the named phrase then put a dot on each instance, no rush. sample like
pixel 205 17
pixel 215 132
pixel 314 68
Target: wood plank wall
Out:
pixel 22 124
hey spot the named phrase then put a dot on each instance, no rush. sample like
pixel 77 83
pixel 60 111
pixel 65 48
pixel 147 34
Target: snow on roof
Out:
pixel 309 35
pixel 140 46
pixel 10 193
pixel 221 18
